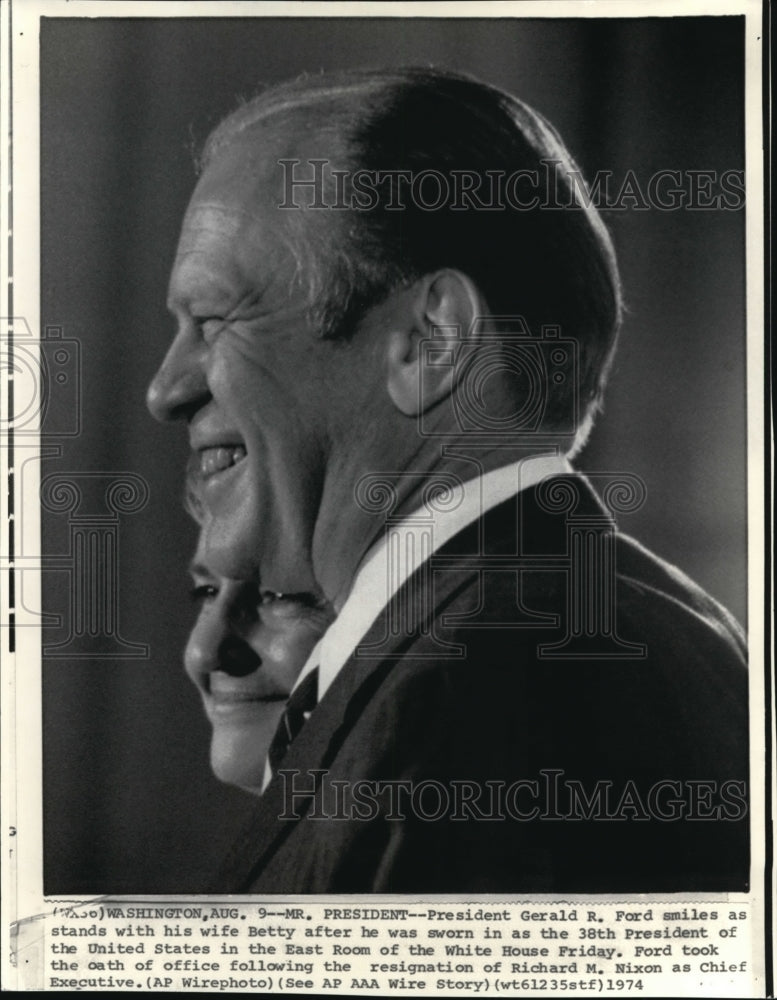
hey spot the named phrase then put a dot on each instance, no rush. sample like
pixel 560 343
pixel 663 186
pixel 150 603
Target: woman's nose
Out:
pixel 236 658
pixel 215 644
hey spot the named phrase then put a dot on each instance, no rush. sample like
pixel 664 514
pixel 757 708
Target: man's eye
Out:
pixel 210 326
pixel 203 592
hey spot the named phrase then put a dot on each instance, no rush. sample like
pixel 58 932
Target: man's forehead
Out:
pixel 234 233
pixel 226 240
pixel 242 186
pixel 204 260
pixel 210 218
pixel 249 165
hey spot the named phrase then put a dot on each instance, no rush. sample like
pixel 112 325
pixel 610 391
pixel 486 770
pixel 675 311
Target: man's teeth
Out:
pixel 213 460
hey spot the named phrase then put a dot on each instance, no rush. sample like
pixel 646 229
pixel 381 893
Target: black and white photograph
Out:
pixel 390 419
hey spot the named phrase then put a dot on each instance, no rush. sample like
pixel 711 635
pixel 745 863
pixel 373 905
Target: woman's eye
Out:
pixel 292 606
pixel 273 604
pixel 272 597
pixel 203 592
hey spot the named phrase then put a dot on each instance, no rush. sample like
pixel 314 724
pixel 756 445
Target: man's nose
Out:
pixel 180 386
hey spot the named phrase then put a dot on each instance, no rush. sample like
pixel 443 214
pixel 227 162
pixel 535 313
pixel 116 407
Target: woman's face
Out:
pixel 244 654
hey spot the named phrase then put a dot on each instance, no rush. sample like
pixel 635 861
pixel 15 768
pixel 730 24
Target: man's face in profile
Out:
pixel 249 370
pixel 244 654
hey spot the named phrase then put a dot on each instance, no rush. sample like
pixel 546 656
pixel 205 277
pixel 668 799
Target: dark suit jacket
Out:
pixel 629 744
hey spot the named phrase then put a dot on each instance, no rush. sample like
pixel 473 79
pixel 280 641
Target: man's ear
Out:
pixel 444 305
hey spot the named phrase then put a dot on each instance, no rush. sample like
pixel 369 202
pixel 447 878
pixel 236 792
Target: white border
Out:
pixel 21 693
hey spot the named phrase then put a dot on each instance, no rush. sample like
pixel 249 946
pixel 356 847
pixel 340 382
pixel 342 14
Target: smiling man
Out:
pixel 383 382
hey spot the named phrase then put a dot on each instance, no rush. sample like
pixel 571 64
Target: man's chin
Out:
pixel 230 546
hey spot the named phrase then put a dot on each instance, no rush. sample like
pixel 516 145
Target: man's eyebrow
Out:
pixel 186 300
pixel 223 300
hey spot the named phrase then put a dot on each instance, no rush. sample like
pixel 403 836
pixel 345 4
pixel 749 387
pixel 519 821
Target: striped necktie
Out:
pixel 301 703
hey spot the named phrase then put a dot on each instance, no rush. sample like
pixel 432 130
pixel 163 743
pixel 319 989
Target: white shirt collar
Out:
pixel 386 568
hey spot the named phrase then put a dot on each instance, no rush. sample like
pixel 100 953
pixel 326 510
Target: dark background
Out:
pixel 129 803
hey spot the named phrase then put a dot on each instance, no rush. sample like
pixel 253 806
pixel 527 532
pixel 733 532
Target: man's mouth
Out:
pixel 220 458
